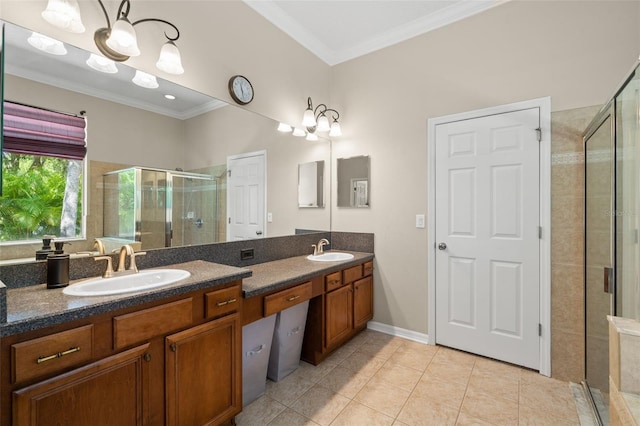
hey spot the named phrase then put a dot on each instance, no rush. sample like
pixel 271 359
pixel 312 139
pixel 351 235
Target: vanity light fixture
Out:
pixel 145 80
pixel 47 44
pixel 317 120
pixel 102 64
pixel 118 42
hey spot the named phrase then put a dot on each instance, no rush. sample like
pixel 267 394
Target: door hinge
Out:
pixel 539 329
pixel 173 347
pixel 539 232
pixel 539 134
pixel 229 221
pixel 229 173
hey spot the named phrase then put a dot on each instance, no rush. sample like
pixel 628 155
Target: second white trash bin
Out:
pixel 256 347
pixel 287 341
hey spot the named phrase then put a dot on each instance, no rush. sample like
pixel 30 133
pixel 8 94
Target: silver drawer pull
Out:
pixel 42 359
pixel 292 298
pixel 257 350
pixel 226 302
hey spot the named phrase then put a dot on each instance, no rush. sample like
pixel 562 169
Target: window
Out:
pixel 43 168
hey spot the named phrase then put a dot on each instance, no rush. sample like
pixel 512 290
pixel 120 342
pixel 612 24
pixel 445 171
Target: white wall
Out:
pixel 574 51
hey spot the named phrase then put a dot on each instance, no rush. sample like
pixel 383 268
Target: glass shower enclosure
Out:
pixel 159 208
pixel 612 224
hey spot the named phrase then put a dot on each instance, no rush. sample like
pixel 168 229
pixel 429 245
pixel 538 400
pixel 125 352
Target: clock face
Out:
pixel 240 89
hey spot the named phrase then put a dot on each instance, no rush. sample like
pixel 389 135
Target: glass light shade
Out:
pixel 284 127
pixel 308 120
pixel 123 38
pixel 102 64
pixel 311 137
pixel 145 80
pixel 335 129
pixel 298 132
pixel 169 60
pixel 64 14
pixel 47 44
pixel 323 123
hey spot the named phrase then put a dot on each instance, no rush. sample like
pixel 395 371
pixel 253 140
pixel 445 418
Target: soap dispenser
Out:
pixel 46 248
pixel 58 267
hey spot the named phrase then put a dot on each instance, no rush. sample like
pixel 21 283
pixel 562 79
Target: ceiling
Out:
pixel 340 30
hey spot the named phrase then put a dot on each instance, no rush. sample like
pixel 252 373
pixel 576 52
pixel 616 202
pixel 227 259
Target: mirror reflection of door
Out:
pixel 353 182
pixel 311 184
pixel 246 201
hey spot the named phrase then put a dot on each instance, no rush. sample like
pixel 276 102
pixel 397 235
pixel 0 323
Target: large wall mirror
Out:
pixel 354 182
pixel 133 127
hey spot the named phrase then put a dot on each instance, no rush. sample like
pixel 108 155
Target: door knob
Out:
pixel 442 246
pixel 258 232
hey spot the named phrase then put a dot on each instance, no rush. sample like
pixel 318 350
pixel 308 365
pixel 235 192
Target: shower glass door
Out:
pixel 599 255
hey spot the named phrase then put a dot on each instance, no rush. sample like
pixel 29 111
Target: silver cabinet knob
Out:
pixel 442 246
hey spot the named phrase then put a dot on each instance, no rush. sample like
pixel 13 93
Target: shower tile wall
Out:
pixel 567 208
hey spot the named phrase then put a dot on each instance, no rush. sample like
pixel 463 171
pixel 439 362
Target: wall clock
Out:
pixel 240 89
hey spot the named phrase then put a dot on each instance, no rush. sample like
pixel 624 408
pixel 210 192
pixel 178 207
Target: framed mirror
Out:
pixel 354 182
pixel 311 184
pixel 130 126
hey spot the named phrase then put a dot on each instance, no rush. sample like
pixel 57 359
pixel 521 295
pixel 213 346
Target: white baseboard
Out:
pixel 398 332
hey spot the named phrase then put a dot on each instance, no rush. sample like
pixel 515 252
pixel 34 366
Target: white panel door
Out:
pixel 246 197
pixel 487 219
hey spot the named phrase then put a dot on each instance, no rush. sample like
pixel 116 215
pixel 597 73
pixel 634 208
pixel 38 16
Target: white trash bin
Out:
pixel 256 347
pixel 287 341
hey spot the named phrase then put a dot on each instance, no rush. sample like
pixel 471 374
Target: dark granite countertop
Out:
pixel 34 307
pixel 271 276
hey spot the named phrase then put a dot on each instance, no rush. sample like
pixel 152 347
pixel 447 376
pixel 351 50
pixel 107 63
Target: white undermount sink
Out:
pixel 330 257
pixel 143 280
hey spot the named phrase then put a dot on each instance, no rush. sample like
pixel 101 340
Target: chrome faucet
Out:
pixel 318 248
pixel 127 250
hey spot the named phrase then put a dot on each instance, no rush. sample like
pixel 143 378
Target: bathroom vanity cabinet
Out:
pixel 340 313
pixel 140 365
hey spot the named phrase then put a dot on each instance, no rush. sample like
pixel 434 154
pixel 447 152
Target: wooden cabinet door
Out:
pixel 204 373
pixel 113 391
pixel 362 301
pixel 339 314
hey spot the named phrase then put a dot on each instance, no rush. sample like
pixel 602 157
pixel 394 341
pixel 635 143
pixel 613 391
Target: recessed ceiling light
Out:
pixel 170 97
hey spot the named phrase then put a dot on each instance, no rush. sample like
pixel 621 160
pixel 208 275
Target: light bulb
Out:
pixel 64 14
pixel 323 123
pixel 335 129
pixel 47 44
pixel 145 80
pixel 311 137
pixel 298 132
pixel 169 60
pixel 284 127
pixel 102 64
pixel 308 120
pixel 123 38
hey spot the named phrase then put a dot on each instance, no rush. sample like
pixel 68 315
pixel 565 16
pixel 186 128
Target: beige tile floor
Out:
pixel 377 379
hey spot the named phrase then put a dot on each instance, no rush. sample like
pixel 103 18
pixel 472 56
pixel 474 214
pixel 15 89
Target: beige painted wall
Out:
pixel 517 51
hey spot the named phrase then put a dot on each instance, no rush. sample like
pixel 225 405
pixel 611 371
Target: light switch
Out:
pixel 419 221
pixel 269 217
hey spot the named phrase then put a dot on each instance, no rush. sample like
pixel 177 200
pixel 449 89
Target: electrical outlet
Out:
pixel 419 221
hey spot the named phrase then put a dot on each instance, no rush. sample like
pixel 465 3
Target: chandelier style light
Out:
pixel 118 42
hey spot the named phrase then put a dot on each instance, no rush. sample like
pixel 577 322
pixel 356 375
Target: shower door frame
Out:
pixel 607 112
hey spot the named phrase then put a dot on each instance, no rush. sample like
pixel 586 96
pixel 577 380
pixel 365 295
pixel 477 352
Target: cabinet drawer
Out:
pixel 333 281
pixel 143 325
pixel 352 274
pixel 51 354
pixel 286 298
pixel 221 302
pixel 367 268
